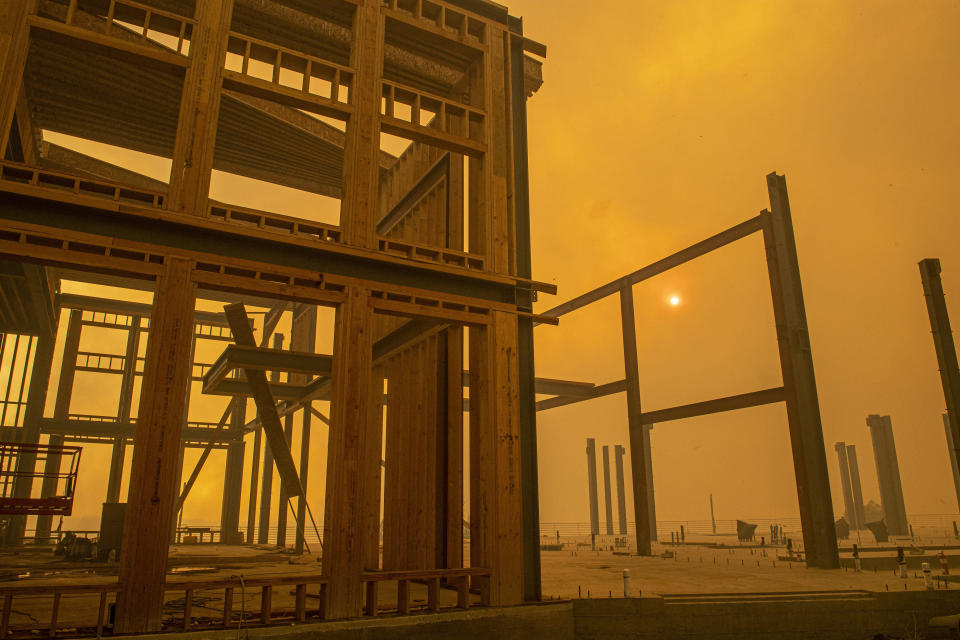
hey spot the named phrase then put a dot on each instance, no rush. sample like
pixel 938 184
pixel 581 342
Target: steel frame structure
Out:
pixel 798 391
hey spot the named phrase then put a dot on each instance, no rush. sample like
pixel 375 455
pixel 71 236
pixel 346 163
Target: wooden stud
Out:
pixel 373 594
pixel 153 483
pixel 227 606
pixel 101 613
pixel 54 612
pixel 463 592
pixel 403 597
pixel 5 616
pixel 300 604
pixel 433 594
pixel 187 609
pixel 266 604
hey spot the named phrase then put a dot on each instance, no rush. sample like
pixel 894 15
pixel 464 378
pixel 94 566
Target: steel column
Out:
pixel 799 381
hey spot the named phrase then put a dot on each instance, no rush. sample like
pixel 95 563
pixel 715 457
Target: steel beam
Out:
pixel 799 381
pixel 719 405
pixel 692 252
pixel 638 447
pixel 946 354
pixel 592 486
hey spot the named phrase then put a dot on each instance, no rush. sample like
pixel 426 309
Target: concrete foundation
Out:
pixel 839 615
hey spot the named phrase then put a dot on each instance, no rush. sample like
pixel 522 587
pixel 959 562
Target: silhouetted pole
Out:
pixel 946 353
pixel 845 485
pixel 621 496
pixel 713 520
pixel 855 485
pixel 606 490
pixel 951 447
pixel 799 381
pixel 592 485
pixel 638 449
pixel 888 475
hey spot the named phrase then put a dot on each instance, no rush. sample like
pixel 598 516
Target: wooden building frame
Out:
pixel 408 269
pixel 798 392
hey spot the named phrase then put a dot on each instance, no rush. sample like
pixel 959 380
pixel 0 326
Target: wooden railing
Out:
pixel 432 112
pixel 177 29
pixel 274 222
pixel 14 172
pixel 18 175
pixel 441 17
pixel 335 81
pixel 309 591
pixel 463 580
pixel 430 253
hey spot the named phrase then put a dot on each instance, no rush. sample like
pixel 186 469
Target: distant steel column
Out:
pixel 618 452
pixel 592 482
pixel 849 511
pixel 608 501
pixel 952 448
pixel 855 484
pixel 946 355
pixel 651 502
pixel 888 474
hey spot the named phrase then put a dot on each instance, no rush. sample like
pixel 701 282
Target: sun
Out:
pixel 674 300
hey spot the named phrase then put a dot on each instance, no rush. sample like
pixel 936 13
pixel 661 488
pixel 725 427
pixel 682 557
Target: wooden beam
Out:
pixel 361 155
pixel 496 504
pixel 153 480
pixel 193 150
pixel 350 431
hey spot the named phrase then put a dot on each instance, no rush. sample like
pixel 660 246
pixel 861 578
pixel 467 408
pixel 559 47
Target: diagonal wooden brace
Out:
pixel 260 390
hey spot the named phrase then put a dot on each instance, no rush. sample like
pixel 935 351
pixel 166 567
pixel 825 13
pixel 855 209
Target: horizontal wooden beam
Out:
pixel 692 252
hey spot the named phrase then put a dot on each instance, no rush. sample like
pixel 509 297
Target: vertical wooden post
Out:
pixel 14 43
pixel 36 400
pixel 350 430
pixel 372 472
pixel 115 479
pixel 638 457
pixel 200 109
pixel 153 480
pixel 361 152
pixel 61 411
pixel 796 363
pixel 496 504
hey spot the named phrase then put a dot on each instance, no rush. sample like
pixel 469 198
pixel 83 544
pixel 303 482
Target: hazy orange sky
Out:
pixel 655 127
